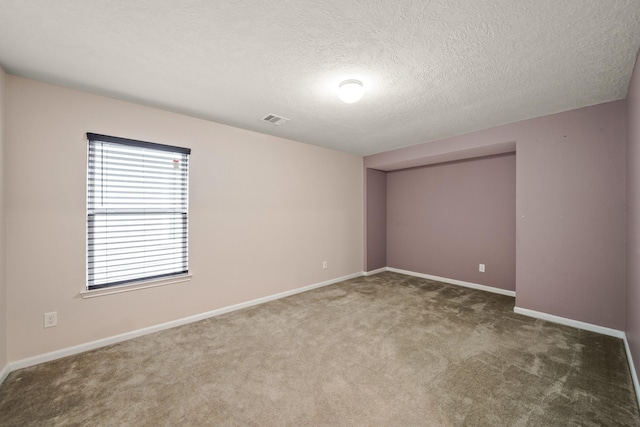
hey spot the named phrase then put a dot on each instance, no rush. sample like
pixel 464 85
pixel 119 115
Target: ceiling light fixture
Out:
pixel 350 91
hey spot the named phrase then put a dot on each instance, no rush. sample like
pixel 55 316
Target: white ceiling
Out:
pixel 431 69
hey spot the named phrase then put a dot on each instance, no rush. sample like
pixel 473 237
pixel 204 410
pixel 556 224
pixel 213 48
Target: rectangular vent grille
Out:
pixel 275 120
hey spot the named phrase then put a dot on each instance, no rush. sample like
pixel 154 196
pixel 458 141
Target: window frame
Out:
pixel 177 218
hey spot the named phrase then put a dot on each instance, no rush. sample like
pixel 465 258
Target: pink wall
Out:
pixel 376 233
pixel 570 207
pixel 264 213
pixel 3 284
pixel 632 310
pixel 447 218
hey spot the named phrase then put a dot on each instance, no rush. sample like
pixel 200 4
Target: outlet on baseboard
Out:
pixel 325 265
pixel 51 319
pixel 481 268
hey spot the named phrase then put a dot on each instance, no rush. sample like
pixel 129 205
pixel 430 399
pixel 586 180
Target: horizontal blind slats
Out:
pixel 129 251
pixel 148 255
pixel 123 156
pixel 135 271
pixel 130 278
pixel 131 263
pixel 137 202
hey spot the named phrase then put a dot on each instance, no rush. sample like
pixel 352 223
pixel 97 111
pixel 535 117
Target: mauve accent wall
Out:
pixel 376 233
pixel 570 207
pixel 446 219
pixel 632 310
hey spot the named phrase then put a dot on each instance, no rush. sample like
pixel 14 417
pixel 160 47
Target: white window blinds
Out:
pixel 137 209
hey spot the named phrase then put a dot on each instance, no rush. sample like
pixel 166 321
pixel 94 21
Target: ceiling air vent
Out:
pixel 274 120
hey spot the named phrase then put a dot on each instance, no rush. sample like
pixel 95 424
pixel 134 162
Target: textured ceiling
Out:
pixel 431 69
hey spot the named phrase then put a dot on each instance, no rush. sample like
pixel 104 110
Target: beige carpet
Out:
pixel 386 350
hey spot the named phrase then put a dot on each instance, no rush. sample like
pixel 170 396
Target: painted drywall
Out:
pixel 265 212
pixel 376 206
pixel 570 207
pixel 3 284
pixel 446 219
pixel 632 310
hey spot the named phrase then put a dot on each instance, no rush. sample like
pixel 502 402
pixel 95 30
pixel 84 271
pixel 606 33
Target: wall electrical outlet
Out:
pixel 481 268
pixel 325 265
pixel 51 319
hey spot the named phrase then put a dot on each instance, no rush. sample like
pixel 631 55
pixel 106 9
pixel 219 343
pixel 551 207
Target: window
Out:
pixel 137 200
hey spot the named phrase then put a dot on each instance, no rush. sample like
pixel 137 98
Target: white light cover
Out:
pixel 350 91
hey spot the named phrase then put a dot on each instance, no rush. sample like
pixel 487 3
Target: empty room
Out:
pixel 320 213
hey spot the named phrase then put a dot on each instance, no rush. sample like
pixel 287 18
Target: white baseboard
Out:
pixel 57 354
pixel 632 368
pixel 455 282
pixel 372 272
pixel 4 373
pixel 570 322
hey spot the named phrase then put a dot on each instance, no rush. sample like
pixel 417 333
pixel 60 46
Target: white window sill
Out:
pixel 135 286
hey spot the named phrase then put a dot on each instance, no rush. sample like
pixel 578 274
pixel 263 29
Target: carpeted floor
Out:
pixel 374 351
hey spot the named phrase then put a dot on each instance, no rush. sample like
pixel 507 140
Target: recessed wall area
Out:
pixel 446 219
pixel 570 207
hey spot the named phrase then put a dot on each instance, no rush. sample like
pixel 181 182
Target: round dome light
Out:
pixel 350 91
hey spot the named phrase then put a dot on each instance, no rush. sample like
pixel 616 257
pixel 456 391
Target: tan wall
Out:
pixel 3 283
pixel 264 213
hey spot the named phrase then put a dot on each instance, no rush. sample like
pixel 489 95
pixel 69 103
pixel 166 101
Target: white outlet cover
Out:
pixel 51 319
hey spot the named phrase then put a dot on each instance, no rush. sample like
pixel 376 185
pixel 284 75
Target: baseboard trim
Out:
pixel 69 351
pixel 455 282
pixel 569 322
pixel 377 271
pixel 632 368
pixel 4 373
